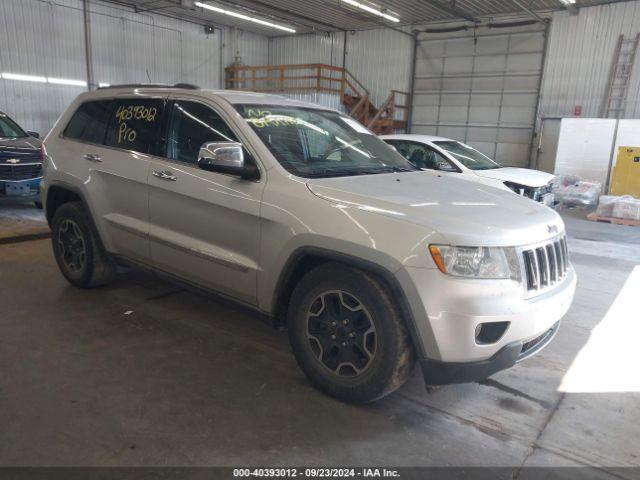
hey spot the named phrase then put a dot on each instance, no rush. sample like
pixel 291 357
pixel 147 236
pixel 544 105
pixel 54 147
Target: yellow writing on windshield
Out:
pixel 264 118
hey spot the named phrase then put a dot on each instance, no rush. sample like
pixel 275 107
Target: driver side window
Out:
pixel 315 143
pixel 191 125
pixel 422 156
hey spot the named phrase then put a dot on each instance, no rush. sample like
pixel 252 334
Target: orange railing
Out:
pixel 306 77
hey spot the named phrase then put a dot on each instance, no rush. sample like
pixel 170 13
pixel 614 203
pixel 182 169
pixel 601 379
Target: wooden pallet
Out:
pixel 616 221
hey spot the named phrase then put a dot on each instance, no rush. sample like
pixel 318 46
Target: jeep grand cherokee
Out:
pixel 303 214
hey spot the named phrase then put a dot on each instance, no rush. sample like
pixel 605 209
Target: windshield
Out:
pixel 317 143
pixel 9 128
pixel 469 157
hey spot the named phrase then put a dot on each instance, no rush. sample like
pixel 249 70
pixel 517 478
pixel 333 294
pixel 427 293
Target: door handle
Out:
pixel 92 157
pixel 164 175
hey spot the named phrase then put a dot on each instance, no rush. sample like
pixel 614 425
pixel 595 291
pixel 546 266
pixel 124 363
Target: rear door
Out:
pixel 115 139
pixel 204 226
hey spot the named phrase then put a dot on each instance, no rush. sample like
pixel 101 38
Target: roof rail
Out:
pixel 187 86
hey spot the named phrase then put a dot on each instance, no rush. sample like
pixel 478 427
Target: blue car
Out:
pixel 20 161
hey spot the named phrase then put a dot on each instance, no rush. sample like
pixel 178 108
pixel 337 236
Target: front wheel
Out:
pixel 347 335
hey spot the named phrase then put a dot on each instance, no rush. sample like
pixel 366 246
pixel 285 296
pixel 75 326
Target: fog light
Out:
pixel 487 333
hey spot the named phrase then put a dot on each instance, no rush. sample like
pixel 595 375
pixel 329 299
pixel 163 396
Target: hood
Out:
pixel 464 212
pixel 521 176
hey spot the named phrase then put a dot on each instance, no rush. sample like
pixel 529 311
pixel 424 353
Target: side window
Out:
pixel 191 125
pixel 317 144
pixel 441 163
pixel 422 156
pixel 89 123
pixel 134 124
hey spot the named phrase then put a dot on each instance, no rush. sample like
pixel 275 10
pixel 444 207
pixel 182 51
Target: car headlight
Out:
pixel 477 262
pixel 521 190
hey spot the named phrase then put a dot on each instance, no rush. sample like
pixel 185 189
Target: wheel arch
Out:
pixel 305 259
pixel 57 195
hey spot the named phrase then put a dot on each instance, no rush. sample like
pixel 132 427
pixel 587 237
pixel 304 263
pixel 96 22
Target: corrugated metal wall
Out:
pixel 580 56
pixel 56 51
pixel 312 48
pixel 381 60
pixel 46 38
pixel 253 49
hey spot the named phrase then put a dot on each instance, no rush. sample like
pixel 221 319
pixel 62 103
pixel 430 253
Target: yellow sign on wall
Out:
pixel 626 173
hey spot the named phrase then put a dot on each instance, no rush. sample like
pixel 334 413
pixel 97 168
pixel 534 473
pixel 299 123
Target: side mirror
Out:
pixel 226 157
pixel 33 134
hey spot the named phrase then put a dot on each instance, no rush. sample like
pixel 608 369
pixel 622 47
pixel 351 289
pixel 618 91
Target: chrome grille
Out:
pixel 546 265
pixel 24 171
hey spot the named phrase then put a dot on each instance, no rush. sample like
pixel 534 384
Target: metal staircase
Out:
pixel 615 103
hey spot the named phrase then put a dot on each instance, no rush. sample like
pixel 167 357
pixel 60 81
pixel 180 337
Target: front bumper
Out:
pixel 448 310
pixel 441 373
pixel 21 188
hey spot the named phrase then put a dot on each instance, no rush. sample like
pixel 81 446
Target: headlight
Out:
pixel 521 190
pixel 477 262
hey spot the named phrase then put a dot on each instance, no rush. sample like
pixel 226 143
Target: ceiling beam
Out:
pixel 451 8
pixel 529 12
pixel 292 15
pixel 570 7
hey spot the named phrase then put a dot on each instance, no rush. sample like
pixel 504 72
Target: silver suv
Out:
pixel 303 214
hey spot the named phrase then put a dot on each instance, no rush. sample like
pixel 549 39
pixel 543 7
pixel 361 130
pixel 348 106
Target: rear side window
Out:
pixel 134 124
pixel 89 123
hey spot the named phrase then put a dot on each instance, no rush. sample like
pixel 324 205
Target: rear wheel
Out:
pixel 347 334
pixel 77 248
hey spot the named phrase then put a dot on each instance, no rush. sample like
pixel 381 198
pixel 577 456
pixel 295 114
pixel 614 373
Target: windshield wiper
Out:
pixel 336 173
pixel 391 170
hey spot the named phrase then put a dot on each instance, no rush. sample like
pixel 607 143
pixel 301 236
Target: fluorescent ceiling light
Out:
pixel 39 79
pixel 66 81
pixel 244 17
pixel 568 2
pixel 24 78
pixel 103 85
pixel 375 11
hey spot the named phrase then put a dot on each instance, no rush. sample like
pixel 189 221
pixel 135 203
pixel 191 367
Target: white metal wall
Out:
pixel 253 49
pixel 311 48
pixel 482 90
pixel 381 60
pixel 46 38
pixel 580 56
pixel 42 39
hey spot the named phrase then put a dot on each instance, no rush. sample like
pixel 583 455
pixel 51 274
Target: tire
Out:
pixel 362 360
pixel 38 205
pixel 77 248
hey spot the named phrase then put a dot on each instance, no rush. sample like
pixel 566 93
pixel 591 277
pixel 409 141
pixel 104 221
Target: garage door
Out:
pixel 483 91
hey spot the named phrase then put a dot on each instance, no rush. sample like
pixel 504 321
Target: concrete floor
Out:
pixel 145 373
pixel 21 219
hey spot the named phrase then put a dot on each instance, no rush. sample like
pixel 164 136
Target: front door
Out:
pixel 204 226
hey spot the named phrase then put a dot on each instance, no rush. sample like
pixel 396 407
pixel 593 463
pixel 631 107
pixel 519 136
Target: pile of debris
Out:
pixel 573 191
pixel 623 210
